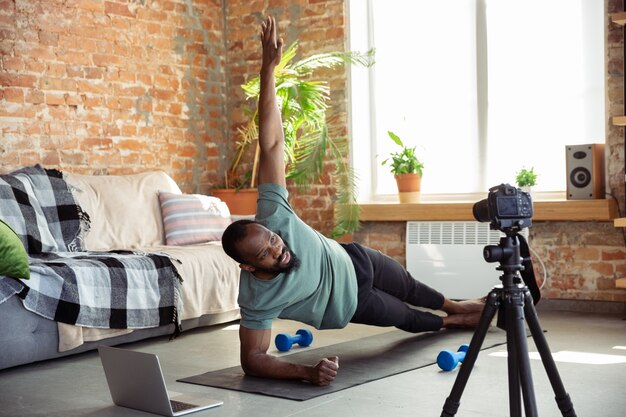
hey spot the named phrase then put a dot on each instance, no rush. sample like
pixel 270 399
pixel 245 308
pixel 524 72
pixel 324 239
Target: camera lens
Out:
pixel 481 211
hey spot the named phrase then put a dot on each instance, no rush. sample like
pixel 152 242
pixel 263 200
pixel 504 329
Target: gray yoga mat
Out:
pixel 360 361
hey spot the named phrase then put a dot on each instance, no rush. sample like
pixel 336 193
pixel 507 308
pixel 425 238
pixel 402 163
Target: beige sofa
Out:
pixel 125 214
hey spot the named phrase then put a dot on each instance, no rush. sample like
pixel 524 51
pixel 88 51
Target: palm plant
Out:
pixel 308 138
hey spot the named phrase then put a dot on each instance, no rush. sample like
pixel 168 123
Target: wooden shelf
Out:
pixel 619 18
pixel 619 120
pixel 556 210
pixel 621 222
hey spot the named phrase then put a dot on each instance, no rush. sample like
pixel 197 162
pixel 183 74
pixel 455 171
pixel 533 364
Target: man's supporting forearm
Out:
pixel 268 366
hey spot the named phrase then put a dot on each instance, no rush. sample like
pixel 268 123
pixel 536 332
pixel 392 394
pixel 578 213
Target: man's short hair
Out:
pixel 235 233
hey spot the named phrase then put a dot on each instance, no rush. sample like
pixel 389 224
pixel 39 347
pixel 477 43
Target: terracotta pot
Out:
pixel 409 186
pixel 408 182
pixel 240 202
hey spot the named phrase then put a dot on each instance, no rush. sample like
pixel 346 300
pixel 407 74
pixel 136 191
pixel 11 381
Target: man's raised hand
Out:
pixel 272 45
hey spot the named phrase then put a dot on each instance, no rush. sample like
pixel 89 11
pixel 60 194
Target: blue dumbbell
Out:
pixel 284 341
pixel 448 360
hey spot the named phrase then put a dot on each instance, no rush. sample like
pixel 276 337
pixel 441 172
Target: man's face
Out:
pixel 265 253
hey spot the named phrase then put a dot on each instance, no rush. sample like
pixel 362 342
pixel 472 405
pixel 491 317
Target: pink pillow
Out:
pixel 192 218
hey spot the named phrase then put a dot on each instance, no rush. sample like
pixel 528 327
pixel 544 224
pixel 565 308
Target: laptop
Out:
pixel 135 381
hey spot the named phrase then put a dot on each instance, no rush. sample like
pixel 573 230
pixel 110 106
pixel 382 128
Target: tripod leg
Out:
pixel 515 402
pixel 562 397
pixel 514 308
pixel 451 406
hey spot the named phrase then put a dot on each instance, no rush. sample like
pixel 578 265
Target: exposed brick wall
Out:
pixel 615 101
pixel 582 259
pixel 122 86
pixel 614 54
pixel 113 86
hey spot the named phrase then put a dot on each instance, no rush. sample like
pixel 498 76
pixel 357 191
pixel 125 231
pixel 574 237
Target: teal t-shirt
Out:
pixel 321 292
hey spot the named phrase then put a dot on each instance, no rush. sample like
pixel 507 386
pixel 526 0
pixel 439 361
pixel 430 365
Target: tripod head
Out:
pixel 513 254
pixel 507 252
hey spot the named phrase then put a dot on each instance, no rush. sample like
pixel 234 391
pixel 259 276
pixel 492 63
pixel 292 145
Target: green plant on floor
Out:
pixel 309 141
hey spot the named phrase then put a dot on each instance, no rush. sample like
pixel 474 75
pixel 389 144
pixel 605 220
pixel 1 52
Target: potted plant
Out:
pixel 309 141
pixel 407 170
pixel 526 178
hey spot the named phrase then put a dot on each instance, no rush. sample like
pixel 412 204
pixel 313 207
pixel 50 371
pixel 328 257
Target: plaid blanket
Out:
pixel 117 290
pixel 93 289
pixel 38 204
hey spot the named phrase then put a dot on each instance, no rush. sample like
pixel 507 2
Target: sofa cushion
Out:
pixel 210 278
pixel 124 209
pixel 13 259
pixel 193 218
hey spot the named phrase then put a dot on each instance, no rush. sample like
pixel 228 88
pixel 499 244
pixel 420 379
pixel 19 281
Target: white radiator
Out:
pixel 448 256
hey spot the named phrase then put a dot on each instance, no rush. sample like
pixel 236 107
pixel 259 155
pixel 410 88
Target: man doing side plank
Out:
pixel 291 271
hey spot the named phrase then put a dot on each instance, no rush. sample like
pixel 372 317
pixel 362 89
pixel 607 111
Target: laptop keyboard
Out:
pixel 180 406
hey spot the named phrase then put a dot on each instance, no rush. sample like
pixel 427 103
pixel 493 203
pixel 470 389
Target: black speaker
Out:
pixel 585 171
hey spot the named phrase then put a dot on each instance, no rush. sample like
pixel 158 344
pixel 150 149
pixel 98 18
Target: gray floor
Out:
pixel 595 376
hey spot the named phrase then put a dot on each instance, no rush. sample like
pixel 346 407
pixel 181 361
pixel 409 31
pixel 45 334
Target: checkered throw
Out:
pixel 38 204
pixel 121 290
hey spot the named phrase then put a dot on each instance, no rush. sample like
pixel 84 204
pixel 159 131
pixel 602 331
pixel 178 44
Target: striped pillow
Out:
pixel 192 218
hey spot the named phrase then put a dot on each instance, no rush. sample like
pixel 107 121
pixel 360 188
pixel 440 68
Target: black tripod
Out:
pixel 514 302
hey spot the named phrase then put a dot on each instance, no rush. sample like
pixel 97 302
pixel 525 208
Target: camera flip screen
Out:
pixel 507 206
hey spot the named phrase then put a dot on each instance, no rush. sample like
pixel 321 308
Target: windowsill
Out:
pixel 547 207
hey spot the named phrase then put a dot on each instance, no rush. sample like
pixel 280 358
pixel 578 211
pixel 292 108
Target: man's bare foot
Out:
pixel 463 307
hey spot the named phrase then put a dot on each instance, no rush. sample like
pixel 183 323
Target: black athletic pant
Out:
pixel 384 288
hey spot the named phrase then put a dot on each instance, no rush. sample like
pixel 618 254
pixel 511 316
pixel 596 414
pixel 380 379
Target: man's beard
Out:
pixel 294 264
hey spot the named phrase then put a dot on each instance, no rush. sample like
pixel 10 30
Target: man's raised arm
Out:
pixel 271 135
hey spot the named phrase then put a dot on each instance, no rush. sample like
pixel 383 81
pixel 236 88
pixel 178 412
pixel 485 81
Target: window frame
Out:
pixel 361 100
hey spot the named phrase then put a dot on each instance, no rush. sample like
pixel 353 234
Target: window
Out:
pixel 481 87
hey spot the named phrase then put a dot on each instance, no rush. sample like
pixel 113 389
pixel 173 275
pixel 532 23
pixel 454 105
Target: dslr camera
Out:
pixel 509 209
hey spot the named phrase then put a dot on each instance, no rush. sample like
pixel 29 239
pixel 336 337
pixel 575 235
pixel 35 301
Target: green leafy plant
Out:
pixel 526 177
pixel 405 161
pixel 309 139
